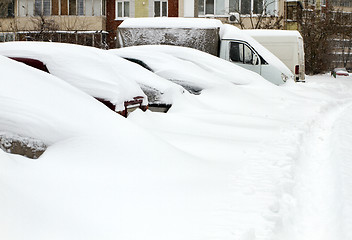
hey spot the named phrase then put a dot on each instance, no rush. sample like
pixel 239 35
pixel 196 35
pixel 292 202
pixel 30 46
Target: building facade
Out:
pixel 342 42
pixel 87 22
pixel 75 21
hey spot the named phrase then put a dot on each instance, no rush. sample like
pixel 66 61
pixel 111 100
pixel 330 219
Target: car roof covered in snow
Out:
pixel 185 73
pixel 41 106
pixel 89 69
pixel 215 70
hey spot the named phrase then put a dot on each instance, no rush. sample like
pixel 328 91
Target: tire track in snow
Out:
pixel 343 156
pixel 316 210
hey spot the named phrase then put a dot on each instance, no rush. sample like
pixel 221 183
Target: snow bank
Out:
pixel 242 162
pixel 156 88
pixel 38 105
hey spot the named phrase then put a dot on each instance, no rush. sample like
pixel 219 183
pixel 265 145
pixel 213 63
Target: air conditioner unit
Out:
pixel 234 18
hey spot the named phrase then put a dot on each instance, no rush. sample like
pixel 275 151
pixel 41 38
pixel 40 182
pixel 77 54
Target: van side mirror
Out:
pixel 255 60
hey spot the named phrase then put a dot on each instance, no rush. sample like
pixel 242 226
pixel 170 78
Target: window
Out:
pixel 241 53
pixel 80 7
pixel 7 9
pixel 25 8
pixel 42 7
pixel 122 9
pixel 72 7
pixel 233 6
pixel 7 37
pixel 224 7
pixel 97 8
pixel 103 7
pixel 212 7
pixel 160 9
pixel 245 7
pixel 76 7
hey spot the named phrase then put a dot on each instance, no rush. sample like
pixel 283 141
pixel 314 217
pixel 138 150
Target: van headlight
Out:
pixel 284 77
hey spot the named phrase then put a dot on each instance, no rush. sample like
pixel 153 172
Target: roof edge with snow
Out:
pixel 170 22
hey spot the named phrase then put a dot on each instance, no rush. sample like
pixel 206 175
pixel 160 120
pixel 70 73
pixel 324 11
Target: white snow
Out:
pixel 272 33
pixel 186 73
pixel 39 105
pixel 169 22
pixel 90 69
pixel 190 65
pixel 245 162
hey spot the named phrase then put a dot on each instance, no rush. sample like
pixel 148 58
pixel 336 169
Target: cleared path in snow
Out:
pixel 322 205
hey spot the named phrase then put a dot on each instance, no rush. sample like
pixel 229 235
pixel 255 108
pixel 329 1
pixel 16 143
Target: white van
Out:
pixel 208 35
pixel 287 45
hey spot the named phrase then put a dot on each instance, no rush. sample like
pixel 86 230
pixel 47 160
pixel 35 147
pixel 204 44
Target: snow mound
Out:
pixel 90 69
pixel 215 69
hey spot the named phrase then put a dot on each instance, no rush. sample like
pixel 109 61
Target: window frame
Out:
pixel 123 2
pixel 237 6
pixel 42 6
pixel 161 8
pixel 77 12
pixel 244 57
pixel 8 9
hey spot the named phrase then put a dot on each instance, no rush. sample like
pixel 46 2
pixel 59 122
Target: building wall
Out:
pixel 275 8
pixel 173 8
pixel 62 23
pixel 142 8
pixel 85 26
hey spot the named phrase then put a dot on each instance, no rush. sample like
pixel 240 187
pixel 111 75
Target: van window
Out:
pixel 239 52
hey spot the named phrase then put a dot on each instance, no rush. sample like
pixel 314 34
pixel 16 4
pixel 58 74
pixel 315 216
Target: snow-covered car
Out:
pixel 340 72
pixel 160 92
pixel 189 67
pixel 184 73
pixel 39 109
pixel 90 69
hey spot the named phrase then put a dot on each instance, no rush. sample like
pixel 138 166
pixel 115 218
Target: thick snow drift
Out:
pixel 185 73
pixel 89 69
pixel 244 162
pixel 208 69
pixel 41 106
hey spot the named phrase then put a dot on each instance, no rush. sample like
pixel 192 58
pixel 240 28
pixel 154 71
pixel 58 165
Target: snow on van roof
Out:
pixel 272 33
pixel 231 32
pixel 169 22
pixel 90 69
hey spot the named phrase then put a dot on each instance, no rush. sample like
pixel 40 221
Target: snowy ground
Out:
pixel 245 163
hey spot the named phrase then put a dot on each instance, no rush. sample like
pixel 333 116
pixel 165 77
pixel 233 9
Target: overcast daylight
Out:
pixel 175 120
